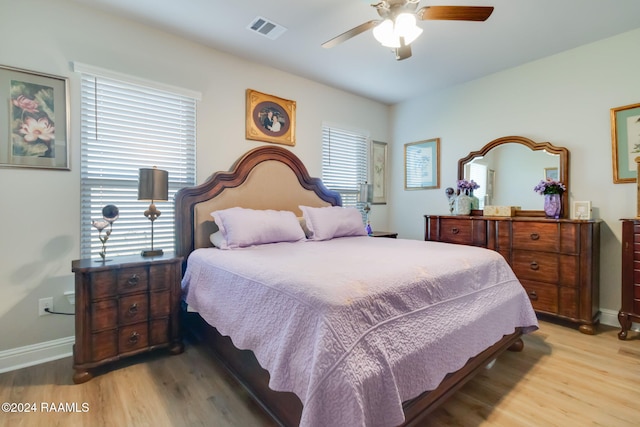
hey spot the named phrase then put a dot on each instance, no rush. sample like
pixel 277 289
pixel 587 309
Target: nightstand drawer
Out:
pixel 102 284
pixel 159 331
pixel 133 279
pixel 104 315
pixel 159 304
pixel 104 345
pixel 133 337
pixel 160 276
pixel 133 308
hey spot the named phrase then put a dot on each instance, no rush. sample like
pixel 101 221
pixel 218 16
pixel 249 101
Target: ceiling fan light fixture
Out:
pixel 389 32
pixel 385 34
pixel 405 26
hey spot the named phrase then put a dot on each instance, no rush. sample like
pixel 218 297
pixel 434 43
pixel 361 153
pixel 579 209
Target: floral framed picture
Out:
pixel 379 172
pixel 422 164
pixel 34 110
pixel 270 119
pixel 625 141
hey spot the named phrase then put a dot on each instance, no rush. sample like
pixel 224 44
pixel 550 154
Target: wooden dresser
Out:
pixel 556 260
pixel 630 310
pixel 125 306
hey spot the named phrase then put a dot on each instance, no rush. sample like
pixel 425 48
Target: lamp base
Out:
pixel 152 252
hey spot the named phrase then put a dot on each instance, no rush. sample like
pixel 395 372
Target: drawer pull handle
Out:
pixel 454 230
pixel 134 337
pixel 534 265
pixel 133 309
pixel 535 236
pixel 533 295
pixel 133 280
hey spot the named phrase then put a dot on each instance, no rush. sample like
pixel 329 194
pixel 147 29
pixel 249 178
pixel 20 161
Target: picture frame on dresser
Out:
pixel 34 112
pixel 581 210
pixel 625 142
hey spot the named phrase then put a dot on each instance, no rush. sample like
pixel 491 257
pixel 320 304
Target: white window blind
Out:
pixel 344 163
pixel 125 127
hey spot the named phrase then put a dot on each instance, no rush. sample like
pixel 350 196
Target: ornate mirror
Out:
pixel 508 169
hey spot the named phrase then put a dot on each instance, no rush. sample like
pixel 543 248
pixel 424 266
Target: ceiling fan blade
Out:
pixel 351 33
pixel 404 51
pixel 455 13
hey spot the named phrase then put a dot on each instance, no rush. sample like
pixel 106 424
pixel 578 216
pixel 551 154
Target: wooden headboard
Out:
pixel 267 177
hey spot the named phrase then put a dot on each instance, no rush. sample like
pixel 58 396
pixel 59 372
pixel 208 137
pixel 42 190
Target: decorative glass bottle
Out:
pixel 475 202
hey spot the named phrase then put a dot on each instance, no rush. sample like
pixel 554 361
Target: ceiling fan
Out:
pixel 398 28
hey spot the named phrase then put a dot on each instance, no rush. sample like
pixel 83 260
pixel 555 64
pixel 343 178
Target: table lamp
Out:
pixel 153 185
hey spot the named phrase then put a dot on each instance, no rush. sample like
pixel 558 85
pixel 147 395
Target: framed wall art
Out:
pixel 34 119
pixel 270 119
pixel 422 164
pixel 625 140
pixel 379 172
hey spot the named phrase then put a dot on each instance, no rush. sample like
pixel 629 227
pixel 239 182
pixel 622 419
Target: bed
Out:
pixel 352 330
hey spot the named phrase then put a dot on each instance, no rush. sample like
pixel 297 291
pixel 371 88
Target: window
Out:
pixel 344 163
pixel 124 127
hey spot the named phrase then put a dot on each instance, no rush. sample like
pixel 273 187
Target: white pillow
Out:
pixel 217 239
pixel 333 221
pixel 242 227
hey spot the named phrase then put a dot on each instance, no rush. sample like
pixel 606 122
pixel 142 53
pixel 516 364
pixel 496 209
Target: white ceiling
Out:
pixel 447 53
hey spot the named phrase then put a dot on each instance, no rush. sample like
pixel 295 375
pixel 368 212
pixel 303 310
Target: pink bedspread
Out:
pixel 355 326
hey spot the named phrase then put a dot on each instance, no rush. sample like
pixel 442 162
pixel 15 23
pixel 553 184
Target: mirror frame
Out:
pixel 563 172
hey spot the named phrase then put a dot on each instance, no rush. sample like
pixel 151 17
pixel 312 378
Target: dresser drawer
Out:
pixel 456 231
pixel 133 337
pixel 538 266
pixel 536 236
pixel 133 309
pixel 132 279
pixel 543 297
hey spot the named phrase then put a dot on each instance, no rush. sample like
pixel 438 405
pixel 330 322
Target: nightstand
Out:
pixel 385 234
pixel 125 306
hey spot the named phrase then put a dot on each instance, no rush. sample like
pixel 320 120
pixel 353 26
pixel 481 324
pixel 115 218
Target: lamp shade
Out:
pixel 153 184
pixel 366 193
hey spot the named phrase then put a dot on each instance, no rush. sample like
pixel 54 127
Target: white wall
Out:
pixel 564 99
pixel 39 223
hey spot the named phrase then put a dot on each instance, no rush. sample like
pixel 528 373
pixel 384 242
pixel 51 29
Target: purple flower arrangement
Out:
pixel 463 184
pixel 550 186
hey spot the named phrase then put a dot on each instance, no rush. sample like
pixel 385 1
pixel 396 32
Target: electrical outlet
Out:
pixel 45 303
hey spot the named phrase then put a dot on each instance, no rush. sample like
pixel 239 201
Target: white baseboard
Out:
pixel 35 354
pixel 610 318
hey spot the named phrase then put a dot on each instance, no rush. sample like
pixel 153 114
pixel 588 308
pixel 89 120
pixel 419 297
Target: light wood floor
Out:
pixel 561 378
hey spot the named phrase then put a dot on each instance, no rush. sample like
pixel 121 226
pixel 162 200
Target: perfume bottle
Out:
pixel 368 228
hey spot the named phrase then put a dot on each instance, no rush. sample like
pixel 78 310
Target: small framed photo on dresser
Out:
pixel 581 210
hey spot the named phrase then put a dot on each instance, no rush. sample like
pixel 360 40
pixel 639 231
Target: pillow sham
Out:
pixel 333 221
pixel 217 239
pixel 241 227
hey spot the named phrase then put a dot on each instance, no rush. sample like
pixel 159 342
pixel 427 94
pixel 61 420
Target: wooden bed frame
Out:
pixel 272 177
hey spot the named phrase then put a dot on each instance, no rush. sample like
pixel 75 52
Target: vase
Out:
pixel 552 205
pixel 475 202
pixel 462 204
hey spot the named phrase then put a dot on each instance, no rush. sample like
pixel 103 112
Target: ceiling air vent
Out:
pixel 266 28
